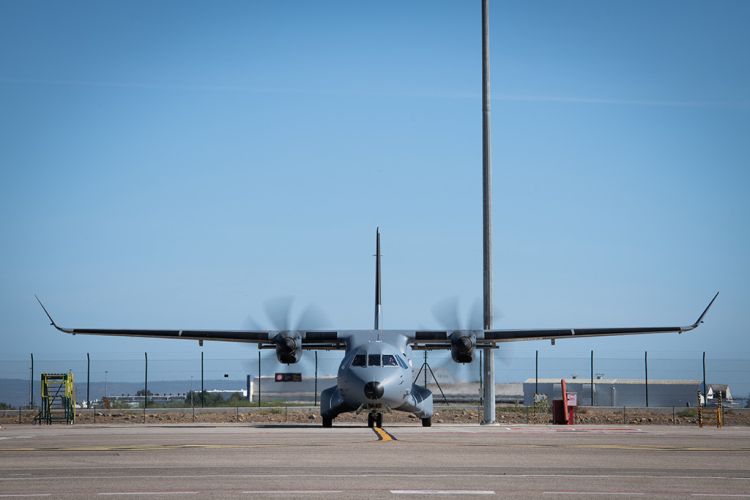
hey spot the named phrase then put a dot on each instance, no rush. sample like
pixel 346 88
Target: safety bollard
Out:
pixel 719 412
pixel 700 410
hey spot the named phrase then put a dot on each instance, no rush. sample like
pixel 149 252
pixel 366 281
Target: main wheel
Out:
pixel 327 422
pixel 427 422
pixel 370 420
pixel 379 420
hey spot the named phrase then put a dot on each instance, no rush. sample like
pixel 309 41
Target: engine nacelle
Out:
pixel 288 348
pixel 462 348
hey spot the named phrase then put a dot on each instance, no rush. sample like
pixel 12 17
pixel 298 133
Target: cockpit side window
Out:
pixel 359 360
pixel 389 360
pixel 373 360
pixel 402 363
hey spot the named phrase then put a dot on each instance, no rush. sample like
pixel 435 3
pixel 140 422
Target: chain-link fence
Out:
pixel 603 380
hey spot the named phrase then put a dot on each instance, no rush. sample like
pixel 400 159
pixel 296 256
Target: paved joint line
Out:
pixel 597 493
pixel 139 493
pixel 292 492
pixel 442 492
pixel 493 475
pixel 721 495
pixel 26 495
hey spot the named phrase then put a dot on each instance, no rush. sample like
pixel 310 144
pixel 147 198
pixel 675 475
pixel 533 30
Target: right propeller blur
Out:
pixel 447 312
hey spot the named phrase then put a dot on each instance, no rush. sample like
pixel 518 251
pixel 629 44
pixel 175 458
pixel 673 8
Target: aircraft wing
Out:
pixel 310 339
pixel 436 339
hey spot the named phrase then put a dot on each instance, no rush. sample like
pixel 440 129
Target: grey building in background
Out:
pixel 618 392
pixel 302 391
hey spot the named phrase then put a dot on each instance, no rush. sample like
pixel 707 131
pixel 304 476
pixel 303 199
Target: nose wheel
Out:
pixel 374 420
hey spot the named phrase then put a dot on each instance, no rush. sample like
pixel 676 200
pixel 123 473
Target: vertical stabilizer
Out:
pixel 377 278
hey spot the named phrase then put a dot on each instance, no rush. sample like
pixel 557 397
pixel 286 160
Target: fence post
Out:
pixel 704 375
pixel 624 418
pixel 699 407
pixel 145 388
pixel 31 390
pixel 88 381
pixel 645 362
pixel 481 389
pixel 202 396
pixel 536 373
pixel 259 376
pixel 592 377
pixel 315 390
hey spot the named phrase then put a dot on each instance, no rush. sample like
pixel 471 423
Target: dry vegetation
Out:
pixel 447 415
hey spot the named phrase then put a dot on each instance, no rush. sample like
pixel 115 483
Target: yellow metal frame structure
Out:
pixel 58 398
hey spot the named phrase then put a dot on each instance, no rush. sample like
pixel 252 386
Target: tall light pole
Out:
pixel 488 375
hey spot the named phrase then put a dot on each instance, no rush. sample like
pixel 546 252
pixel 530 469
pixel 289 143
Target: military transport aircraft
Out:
pixel 376 373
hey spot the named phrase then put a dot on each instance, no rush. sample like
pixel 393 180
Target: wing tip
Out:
pixel 699 321
pixel 49 316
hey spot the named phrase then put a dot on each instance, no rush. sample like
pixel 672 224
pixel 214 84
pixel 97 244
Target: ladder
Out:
pixel 58 399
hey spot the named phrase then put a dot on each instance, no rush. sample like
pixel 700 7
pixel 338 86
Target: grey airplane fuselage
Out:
pixel 376 376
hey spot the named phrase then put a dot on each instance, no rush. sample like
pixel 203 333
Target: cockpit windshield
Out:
pixel 359 360
pixel 363 360
pixel 389 360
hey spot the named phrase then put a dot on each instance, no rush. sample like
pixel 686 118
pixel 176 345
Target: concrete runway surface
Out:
pixel 288 461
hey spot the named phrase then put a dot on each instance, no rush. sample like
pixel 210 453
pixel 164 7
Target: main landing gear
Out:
pixel 327 422
pixel 374 420
pixel 427 422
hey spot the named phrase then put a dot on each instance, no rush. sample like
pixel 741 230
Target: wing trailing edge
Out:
pixel 557 333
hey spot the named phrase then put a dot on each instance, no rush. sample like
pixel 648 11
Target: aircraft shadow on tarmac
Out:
pixel 305 426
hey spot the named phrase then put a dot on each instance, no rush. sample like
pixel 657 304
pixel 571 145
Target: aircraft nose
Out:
pixel 374 390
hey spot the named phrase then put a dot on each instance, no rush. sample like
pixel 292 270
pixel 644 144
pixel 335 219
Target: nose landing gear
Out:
pixel 374 420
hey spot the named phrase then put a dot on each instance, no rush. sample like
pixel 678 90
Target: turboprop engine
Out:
pixel 288 348
pixel 462 348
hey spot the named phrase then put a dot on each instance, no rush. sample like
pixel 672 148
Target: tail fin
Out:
pixel 377 279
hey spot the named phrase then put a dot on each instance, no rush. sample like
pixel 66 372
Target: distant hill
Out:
pixel 15 392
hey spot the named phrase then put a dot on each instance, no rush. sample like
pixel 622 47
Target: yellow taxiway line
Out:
pixel 383 435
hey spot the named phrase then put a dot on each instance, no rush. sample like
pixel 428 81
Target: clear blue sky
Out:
pixel 175 164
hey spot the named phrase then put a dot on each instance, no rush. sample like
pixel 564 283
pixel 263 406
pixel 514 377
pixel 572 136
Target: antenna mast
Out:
pixel 377 279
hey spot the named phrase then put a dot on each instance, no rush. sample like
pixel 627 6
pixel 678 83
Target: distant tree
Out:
pixel 141 392
pixel 236 396
pixel 209 398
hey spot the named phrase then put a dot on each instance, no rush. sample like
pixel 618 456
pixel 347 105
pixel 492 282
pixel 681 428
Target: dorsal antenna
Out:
pixel 377 280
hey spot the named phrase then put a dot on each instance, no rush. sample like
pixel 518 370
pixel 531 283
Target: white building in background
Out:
pixel 301 390
pixel 618 392
pixel 715 390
